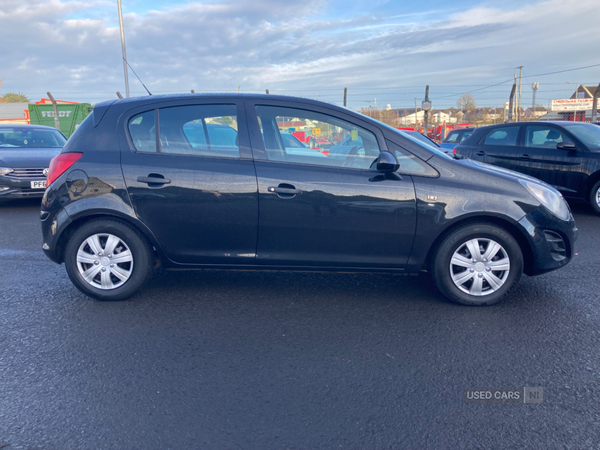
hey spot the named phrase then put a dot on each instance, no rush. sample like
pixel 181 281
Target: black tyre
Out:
pixel 477 264
pixel 108 260
pixel 595 197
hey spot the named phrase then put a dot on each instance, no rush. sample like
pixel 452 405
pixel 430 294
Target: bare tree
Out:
pixel 466 101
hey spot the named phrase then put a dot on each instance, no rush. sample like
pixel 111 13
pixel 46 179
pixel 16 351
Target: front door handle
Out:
pixel 525 157
pixel 284 190
pixel 480 153
pixel 153 180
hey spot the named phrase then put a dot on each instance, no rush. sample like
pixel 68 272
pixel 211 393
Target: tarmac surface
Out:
pixel 246 360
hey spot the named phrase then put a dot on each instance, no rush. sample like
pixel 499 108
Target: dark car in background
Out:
pixel 25 154
pixel 455 137
pixel 566 155
pixel 421 137
pixel 131 191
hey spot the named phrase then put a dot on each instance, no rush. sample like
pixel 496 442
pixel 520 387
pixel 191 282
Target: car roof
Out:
pixel 22 125
pixel 132 102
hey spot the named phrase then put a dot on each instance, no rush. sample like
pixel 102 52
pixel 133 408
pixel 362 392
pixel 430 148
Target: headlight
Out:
pixel 548 197
pixel 5 170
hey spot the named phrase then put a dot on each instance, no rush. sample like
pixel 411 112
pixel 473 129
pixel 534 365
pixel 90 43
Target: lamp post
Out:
pixel 123 47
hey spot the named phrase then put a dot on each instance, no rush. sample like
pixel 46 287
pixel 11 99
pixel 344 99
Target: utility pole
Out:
pixel 535 87
pixel 239 89
pixel 123 48
pixel 416 122
pixel 345 95
pixel 56 121
pixel 426 110
pixel 519 97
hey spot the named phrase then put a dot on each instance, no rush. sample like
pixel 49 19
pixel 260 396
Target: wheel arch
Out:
pixel 518 234
pixel 79 220
pixel 592 180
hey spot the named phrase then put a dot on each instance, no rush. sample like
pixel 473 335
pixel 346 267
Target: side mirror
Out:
pixel 566 146
pixel 387 162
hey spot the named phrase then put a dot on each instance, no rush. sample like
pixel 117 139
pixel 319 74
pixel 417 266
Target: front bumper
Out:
pixel 13 187
pixel 551 240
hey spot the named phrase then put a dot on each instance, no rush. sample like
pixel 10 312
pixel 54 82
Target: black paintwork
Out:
pixel 24 158
pixel 571 171
pixel 255 213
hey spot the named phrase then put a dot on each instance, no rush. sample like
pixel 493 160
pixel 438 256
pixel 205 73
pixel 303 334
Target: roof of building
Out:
pixel 13 110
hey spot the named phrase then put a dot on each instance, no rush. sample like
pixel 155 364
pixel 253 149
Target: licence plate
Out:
pixel 38 184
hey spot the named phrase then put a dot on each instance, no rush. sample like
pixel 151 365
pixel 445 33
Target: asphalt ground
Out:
pixel 245 360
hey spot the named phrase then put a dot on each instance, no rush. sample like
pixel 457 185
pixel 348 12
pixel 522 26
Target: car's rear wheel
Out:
pixel 595 198
pixel 477 264
pixel 108 260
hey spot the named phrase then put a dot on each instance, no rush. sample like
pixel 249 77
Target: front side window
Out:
pixel 196 130
pixel 502 136
pixel 25 137
pixel 541 136
pixel 331 141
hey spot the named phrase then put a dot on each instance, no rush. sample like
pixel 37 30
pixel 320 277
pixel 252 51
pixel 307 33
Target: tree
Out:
pixel 12 97
pixel 466 101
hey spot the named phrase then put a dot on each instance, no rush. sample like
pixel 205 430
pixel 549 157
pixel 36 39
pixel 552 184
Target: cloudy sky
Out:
pixel 383 51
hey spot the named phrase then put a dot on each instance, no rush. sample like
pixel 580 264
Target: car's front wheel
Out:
pixel 595 198
pixel 108 260
pixel 477 264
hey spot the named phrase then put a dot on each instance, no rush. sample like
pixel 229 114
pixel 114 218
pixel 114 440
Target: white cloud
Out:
pixel 73 47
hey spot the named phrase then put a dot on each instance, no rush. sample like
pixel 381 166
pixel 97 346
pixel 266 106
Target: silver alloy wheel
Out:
pixel 598 196
pixel 479 267
pixel 104 261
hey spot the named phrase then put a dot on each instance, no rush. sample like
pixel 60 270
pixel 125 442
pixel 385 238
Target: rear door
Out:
pixel 540 158
pixel 191 179
pixel 498 147
pixel 318 211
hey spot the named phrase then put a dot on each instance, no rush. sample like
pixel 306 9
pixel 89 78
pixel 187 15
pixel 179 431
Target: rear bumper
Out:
pixel 552 240
pixel 11 188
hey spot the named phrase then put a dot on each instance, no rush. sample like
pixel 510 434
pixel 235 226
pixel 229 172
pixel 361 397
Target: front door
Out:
pixel 327 211
pixel 191 180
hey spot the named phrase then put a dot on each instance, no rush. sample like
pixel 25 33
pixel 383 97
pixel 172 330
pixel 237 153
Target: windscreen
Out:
pixel 26 137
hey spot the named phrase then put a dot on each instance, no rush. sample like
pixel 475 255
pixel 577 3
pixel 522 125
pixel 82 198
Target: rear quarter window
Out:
pixel 505 136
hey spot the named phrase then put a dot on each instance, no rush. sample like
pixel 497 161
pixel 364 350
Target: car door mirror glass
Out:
pixel 387 162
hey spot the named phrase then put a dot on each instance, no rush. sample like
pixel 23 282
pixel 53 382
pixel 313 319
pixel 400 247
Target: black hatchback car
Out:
pixel 140 184
pixel 565 155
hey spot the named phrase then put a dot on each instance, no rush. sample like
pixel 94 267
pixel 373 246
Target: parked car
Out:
pixel 455 137
pixel 565 155
pixel 293 146
pixel 122 199
pixel 25 154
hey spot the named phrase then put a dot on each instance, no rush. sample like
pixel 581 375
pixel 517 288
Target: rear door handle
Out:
pixel 153 180
pixel 480 153
pixel 524 157
pixel 283 190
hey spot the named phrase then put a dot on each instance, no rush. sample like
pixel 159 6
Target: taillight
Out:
pixel 454 150
pixel 60 164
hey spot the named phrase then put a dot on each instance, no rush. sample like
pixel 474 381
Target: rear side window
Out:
pixel 200 130
pixel 196 130
pixel 502 136
pixel 465 135
pixel 452 138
